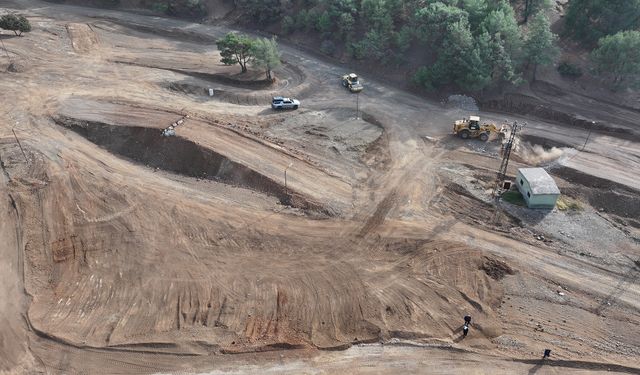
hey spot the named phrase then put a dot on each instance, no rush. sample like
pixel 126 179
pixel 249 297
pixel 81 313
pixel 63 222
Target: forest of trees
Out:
pixel 470 44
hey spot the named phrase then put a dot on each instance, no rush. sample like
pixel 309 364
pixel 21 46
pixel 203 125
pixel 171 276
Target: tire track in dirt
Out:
pixel 380 214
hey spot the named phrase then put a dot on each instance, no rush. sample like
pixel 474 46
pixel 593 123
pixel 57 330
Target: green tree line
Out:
pixel 473 44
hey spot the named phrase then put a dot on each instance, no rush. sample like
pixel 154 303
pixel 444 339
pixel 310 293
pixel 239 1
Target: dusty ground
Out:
pixel 127 252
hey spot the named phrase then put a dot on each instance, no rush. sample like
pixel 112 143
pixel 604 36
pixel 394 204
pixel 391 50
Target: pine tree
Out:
pixel 532 7
pixel 266 55
pixel 619 56
pixel 235 49
pixel 539 45
pixel 17 24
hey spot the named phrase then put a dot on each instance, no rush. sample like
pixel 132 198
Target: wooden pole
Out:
pixel 5 50
pixel 21 149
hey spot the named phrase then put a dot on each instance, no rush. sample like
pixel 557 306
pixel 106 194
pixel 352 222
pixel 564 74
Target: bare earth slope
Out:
pixel 127 252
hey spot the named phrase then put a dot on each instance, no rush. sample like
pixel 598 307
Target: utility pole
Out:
pixel 20 145
pixel 357 105
pixel 506 155
pixel 502 172
pixel 593 124
pixel 5 50
pixel 286 192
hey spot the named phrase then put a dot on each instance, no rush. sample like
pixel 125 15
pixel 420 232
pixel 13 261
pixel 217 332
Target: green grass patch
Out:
pixel 565 203
pixel 514 197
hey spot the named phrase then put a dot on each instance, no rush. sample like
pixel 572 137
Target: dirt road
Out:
pixel 152 254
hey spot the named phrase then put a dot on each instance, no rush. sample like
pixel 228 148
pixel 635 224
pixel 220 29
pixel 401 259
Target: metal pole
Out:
pixel 357 106
pixel 5 50
pixel 588 135
pixel 286 192
pixel 17 140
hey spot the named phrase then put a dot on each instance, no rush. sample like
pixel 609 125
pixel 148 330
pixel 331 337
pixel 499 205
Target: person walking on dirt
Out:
pixel 465 330
pixel 467 320
pixel 547 353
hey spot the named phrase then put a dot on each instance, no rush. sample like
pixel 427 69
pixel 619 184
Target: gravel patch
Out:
pixel 585 232
pixel 464 102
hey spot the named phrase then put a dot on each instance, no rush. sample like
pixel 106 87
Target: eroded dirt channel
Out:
pixel 179 155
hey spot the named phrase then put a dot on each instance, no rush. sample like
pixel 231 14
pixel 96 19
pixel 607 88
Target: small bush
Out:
pixel 358 50
pixel 423 77
pixel 346 24
pixel 328 47
pixel 288 24
pixel 263 12
pixel 323 23
pixel 402 39
pixel 306 20
pixel 565 203
pixel 160 7
pixel 311 21
pixel 186 8
pixel 567 69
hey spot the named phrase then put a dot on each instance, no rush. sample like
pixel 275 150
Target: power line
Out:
pixel 5 50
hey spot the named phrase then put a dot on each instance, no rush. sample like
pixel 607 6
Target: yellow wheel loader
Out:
pixel 472 128
pixel 352 82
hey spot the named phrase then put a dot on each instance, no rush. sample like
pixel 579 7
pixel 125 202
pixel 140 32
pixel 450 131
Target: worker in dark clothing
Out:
pixel 467 319
pixel 465 330
pixel 547 353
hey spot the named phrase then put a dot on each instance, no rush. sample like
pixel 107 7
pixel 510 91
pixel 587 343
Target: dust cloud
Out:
pixel 538 155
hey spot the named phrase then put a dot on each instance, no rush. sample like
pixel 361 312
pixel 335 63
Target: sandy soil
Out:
pixel 127 252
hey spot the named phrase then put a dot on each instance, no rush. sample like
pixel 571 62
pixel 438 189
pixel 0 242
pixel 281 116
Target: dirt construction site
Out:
pixel 339 238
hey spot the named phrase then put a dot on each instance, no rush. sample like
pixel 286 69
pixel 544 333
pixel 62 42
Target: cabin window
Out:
pixel 521 182
pixel 528 194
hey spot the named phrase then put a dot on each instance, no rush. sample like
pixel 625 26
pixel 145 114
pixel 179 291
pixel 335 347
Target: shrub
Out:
pixel 402 39
pixel 346 22
pixel 288 24
pixel 565 203
pixel 618 56
pixel 327 47
pixel 423 77
pixel 311 21
pixel 263 12
pixel 306 20
pixel 590 20
pixel 567 69
pixel 300 19
pixel 323 23
pixel 160 7
pixel 176 8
